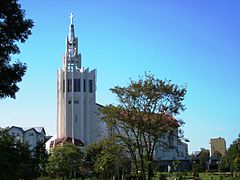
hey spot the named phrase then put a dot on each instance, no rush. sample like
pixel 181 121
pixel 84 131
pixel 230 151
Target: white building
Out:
pixel 31 136
pixel 77 110
pixel 170 148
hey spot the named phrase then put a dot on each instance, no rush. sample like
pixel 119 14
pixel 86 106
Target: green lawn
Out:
pixel 185 176
pixel 203 176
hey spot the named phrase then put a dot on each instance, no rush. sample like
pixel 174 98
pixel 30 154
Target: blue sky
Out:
pixel 192 42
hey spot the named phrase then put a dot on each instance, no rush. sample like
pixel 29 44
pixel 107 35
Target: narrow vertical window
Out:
pixel 90 85
pixel 76 85
pixel 84 85
pixel 76 118
pixel 69 85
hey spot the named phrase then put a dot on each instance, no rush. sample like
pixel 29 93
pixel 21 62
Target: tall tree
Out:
pixel 111 161
pixel 104 158
pixel 64 161
pixel 14 28
pixel 233 155
pixel 90 156
pixel 145 113
pixel 203 159
pixel 40 158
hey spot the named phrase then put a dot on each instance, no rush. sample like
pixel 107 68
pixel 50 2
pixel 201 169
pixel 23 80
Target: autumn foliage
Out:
pixel 145 112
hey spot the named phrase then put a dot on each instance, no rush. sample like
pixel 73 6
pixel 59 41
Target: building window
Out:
pixel 84 85
pixel 13 133
pixel 76 85
pixel 17 134
pixel 69 102
pixel 69 85
pixel 76 102
pixel 90 85
pixel 76 118
pixel 30 134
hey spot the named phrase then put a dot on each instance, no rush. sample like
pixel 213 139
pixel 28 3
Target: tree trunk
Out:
pixel 142 169
pixel 150 171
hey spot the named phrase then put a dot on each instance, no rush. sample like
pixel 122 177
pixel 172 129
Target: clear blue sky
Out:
pixel 193 42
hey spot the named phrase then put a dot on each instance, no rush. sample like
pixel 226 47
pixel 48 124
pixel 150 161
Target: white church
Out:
pixel 77 110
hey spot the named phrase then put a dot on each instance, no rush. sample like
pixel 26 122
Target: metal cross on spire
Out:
pixel 71 18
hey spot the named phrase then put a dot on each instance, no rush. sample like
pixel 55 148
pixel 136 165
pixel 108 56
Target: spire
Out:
pixel 71 29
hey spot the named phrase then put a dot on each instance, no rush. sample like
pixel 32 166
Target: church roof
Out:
pixel 99 105
pixel 64 140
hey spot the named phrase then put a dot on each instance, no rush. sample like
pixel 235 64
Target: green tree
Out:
pixel 40 158
pixel 203 159
pixel 236 164
pixel 15 158
pixel 111 161
pixel 145 113
pixel 104 158
pixel 64 161
pixel 90 156
pixel 14 28
pixel 232 155
pixel 224 166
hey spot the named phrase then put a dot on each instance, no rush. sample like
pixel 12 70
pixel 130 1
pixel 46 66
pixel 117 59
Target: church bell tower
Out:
pixel 76 97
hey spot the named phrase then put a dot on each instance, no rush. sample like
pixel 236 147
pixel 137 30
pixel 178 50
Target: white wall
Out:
pixel 17 133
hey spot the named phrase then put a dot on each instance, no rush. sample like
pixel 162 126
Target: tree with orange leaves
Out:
pixel 146 111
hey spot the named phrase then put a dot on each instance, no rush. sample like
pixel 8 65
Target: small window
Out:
pixel 69 102
pixel 76 118
pixel 17 134
pixel 90 86
pixel 76 102
pixel 69 85
pixel 84 85
pixel 13 133
pixel 31 134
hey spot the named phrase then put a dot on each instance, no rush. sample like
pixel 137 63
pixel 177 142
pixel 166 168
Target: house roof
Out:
pixel 16 128
pixel 37 129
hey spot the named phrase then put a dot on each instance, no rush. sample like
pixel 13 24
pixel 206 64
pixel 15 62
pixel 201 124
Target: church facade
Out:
pixel 77 110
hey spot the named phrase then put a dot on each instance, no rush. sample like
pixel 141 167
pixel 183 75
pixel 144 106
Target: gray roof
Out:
pixel 37 129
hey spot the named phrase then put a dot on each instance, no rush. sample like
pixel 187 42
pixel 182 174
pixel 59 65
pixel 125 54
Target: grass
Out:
pixel 173 176
pixel 203 176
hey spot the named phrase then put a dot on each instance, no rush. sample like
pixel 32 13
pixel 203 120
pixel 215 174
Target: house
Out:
pixel 31 136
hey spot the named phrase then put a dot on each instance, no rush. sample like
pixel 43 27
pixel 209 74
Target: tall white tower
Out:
pixel 76 97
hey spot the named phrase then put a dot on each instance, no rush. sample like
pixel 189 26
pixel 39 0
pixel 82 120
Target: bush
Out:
pixel 195 173
pixel 161 176
pixel 221 177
